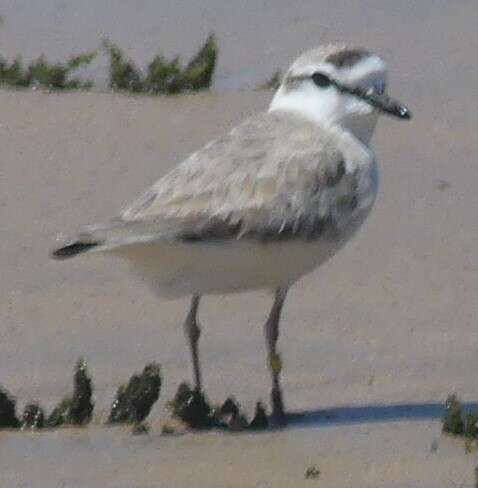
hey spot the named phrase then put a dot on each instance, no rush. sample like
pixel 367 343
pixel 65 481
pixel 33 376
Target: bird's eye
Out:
pixel 321 80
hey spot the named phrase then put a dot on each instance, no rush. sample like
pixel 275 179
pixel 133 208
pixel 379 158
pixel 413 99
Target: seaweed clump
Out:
pixel 312 473
pixel 41 73
pixel 273 82
pixel 134 400
pixel 460 423
pixel 124 75
pixel 13 74
pixel 163 76
pixel 199 71
pixel 76 409
pixel 453 420
pixel 229 416
pixel 192 408
pixel 8 419
pixel 33 417
pixel 471 426
pixel 260 420
pixel 57 76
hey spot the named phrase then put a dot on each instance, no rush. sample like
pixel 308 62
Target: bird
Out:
pixel 266 203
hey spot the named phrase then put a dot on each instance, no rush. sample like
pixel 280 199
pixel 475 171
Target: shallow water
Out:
pixel 255 38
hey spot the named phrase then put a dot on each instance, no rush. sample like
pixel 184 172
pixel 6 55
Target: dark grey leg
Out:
pixel 192 331
pixel 275 363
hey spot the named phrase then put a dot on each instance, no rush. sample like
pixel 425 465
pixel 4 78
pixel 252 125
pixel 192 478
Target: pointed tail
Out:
pixel 73 249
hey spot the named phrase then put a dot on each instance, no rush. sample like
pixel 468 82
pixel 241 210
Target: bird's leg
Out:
pixel 275 363
pixel 192 331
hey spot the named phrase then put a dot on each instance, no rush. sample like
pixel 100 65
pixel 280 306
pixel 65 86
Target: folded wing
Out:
pixel 275 176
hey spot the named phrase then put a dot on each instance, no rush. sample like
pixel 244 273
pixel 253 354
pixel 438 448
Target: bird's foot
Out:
pixel 278 413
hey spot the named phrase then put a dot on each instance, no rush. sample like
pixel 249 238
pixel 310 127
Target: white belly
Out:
pixel 176 269
pixel 184 268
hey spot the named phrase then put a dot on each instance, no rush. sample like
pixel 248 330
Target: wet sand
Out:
pixel 389 321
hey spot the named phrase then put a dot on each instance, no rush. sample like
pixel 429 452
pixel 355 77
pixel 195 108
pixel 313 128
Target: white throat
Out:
pixel 328 108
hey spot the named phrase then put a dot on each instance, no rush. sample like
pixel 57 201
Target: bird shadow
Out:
pixel 366 414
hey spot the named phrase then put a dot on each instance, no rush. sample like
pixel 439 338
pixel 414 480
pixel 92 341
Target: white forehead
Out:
pixel 340 61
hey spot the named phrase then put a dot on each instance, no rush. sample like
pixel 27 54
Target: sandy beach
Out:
pixel 372 343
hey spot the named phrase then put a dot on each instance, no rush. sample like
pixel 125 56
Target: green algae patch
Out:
pixel 44 74
pixel 312 473
pixel 75 409
pixel 453 421
pixel 199 71
pixel 124 75
pixel 260 420
pixel 272 83
pixel 8 418
pixel 33 417
pixel 192 409
pixel 163 75
pixel 135 399
pixel 461 423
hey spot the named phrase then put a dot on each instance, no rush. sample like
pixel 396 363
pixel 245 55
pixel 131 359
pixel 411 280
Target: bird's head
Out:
pixel 339 85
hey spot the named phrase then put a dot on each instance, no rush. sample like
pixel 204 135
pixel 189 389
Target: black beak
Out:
pixel 380 101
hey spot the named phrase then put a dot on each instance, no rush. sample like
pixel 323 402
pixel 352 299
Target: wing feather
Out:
pixel 275 176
